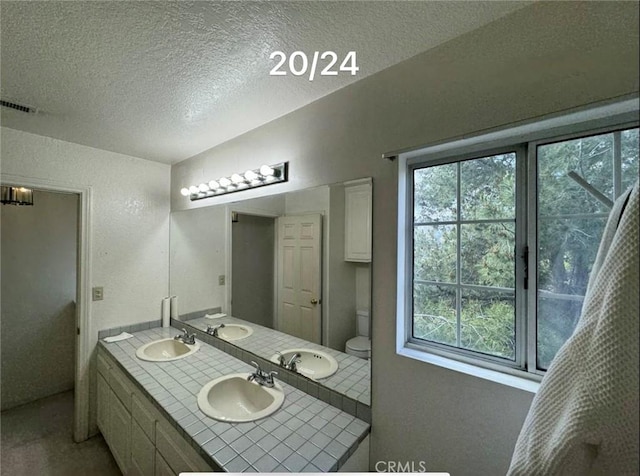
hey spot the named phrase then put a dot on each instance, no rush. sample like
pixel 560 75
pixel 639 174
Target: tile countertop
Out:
pixel 352 379
pixel 304 435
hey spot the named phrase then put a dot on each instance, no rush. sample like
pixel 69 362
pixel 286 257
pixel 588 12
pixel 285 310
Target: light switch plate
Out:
pixel 97 293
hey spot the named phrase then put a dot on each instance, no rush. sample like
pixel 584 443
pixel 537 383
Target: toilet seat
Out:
pixel 359 346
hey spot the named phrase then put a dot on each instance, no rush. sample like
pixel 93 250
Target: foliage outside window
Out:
pixel 470 268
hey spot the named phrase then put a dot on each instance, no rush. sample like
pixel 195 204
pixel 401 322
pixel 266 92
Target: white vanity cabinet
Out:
pixel 358 215
pixel 141 440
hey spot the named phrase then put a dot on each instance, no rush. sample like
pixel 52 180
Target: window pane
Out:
pixel 435 192
pixel 589 157
pixel 557 318
pixel 488 322
pixel 567 249
pixel 487 256
pixel 434 257
pixel 629 152
pixel 434 313
pixel 488 187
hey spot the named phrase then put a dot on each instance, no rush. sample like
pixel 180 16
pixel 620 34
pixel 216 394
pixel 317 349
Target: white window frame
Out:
pixel 585 121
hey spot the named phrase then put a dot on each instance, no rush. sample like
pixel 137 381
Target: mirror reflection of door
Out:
pixel 299 276
pixel 253 261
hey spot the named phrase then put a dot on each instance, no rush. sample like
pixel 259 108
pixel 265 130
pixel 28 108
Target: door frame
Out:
pixel 85 339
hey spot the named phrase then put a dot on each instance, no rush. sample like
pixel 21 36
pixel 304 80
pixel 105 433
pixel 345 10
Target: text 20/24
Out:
pixel 299 64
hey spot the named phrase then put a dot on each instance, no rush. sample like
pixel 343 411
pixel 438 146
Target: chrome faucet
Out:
pixel 186 337
pixel 261 377
pixel 291 364
pixel 213 330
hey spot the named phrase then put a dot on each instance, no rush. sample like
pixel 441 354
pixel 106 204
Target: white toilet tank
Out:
pixel 360 346
pixel 362 323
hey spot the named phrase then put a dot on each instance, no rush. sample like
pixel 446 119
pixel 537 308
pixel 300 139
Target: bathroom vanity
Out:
pixel 348 388
pixel 149 415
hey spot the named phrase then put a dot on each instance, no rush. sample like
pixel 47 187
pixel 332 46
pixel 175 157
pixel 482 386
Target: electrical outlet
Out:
pixel 221 280
pixel 98 293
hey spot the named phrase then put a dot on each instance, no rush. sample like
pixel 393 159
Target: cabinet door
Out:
pixel 162 468
pixel 358 201
pixel 142 452
pixel 120 433
pixel 103 406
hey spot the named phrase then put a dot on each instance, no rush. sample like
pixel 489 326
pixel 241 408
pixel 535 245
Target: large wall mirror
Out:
pixel 289 273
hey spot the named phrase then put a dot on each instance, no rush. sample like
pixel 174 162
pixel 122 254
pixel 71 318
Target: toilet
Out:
pixel 360 346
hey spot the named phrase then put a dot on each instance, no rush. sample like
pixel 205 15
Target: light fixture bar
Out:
pixel 265 175
pixel 17 196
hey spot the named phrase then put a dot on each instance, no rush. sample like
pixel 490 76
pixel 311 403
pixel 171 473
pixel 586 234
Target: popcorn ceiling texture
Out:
pixel 167 80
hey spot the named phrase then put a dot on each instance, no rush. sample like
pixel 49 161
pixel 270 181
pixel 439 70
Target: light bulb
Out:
pixel 250 175
pixel 203 187
pixel 266 170
pixel 224 182
pixel 236 178
pixel 185 192
pixel 193 190
pixel 214 185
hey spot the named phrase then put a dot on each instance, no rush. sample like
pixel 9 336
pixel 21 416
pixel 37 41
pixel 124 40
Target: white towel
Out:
pixel 584 419
pixel 121 336
pixel 217 315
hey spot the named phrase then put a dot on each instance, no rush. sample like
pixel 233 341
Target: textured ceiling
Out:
pixel 167 80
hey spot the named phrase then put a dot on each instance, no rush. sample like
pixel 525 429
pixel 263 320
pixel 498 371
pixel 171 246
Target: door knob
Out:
pixel 314 301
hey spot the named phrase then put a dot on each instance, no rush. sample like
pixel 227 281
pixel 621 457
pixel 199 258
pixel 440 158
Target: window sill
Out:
pixel 524 382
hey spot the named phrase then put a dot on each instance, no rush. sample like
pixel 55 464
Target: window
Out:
pixel 499 243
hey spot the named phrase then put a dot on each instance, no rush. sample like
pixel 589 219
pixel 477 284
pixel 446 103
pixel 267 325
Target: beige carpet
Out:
pixel 37 439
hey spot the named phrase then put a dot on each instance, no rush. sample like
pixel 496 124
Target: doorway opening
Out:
pixel 253 239
pixel 41 284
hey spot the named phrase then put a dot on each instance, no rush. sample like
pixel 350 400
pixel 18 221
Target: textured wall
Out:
pixel 39 249
pixel 198 257
pixel 129 219
pixel 540 60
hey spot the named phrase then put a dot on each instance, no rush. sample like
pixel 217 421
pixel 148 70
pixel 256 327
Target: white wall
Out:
pixel 129 220
pixel 198 257
pixel 542 59
pixel 39 249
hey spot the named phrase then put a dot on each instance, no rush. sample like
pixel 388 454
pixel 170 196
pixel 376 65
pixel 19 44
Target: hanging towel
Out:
pixel 584 419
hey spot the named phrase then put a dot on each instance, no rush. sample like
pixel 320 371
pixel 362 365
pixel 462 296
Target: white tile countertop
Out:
pixel 304 435
pixel 352 379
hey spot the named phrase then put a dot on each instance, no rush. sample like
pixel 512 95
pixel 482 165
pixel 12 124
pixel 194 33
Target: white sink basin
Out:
pixel 233 398
pixel 164 350
pixel 314 364
pixel 234 332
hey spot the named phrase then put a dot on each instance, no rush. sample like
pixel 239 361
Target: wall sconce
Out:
pixel 265 175
pixel 17 196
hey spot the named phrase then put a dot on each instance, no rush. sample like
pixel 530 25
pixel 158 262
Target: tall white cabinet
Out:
pixel 358 218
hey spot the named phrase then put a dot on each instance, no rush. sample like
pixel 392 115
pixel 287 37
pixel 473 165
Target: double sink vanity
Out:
pixel 267 388
pixel 171 401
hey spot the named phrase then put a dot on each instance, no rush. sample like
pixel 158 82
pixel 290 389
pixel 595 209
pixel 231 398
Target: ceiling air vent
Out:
pixel 18 107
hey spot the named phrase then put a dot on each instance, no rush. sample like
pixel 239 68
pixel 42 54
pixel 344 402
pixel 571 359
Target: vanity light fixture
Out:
pixel 265 175
pixel 17 196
